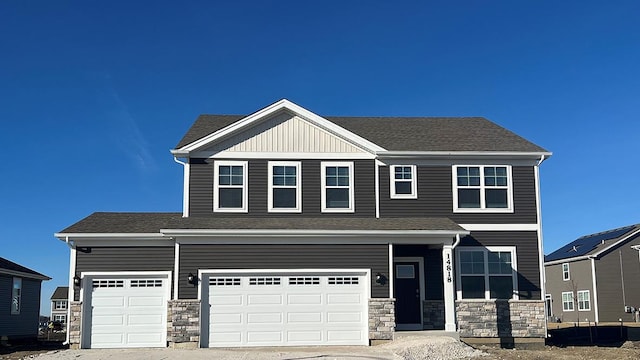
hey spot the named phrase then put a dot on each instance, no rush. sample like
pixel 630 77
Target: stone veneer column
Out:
pixel 501 318
pixel 183 324
pixel 73 324
pixel 382 319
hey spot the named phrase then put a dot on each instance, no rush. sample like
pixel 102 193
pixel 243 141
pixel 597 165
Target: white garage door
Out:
pixel 287 309
pixel 127 312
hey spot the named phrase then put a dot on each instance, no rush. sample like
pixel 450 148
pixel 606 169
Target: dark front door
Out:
pixel 407 292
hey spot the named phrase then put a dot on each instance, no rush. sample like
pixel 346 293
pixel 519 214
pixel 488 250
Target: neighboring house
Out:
pixel 299 229
pixel 20 300
pixel 59 304
pixel 595 277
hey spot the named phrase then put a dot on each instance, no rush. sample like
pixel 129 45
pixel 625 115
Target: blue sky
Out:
pixel 93 94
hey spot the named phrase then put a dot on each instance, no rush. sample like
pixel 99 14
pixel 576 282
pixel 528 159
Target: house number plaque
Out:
pixel 448 267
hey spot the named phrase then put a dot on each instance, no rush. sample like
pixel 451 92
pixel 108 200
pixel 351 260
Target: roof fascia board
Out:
pixel 24 274
pixel 506 155
pixel 272 109
pixel 122 236
pixel 322 233
pixel 310 240
pixel 567 260
pixel 274 155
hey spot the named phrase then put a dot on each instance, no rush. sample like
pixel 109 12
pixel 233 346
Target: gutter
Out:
pixel 290 232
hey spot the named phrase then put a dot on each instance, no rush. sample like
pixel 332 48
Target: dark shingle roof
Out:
pixel 591 244
pixel 11 266
pixel 408 134
pixel 61 292
pixel 101 222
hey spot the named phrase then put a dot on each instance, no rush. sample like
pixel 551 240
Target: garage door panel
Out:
pixel 344 317
pixel 108 339
pixel 264 318
pixel 304 337
pixel 144 301
pixel 145 319
pixel 222 300
pixel 343 299
pixel 305 318
pixel 233 318
pixel 306 299
pixel 107 301
pixel 344 335
pixel 106 320
pixel 264 299
pixel 266 337
pixel 226 337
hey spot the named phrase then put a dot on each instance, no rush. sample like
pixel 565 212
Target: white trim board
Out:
pixel 500 227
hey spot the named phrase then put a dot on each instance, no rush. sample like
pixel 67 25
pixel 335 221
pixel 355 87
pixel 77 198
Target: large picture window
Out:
pixel 337 187
pixel 16 296
pixel 403 182
pixel 486 273
pixel 230 186
pixel 482 188
pixel 285 186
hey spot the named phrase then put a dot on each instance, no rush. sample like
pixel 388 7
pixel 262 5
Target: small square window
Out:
pixel 403 182
pixel 405 272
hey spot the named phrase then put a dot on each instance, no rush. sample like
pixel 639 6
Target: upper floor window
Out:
pixel 60 305
pixel 403 183
pixel 337 187
pixel 565 272
pixel 486 273
pixel 230 186
pixel 16 296
pixel 285 186
pixel 481 188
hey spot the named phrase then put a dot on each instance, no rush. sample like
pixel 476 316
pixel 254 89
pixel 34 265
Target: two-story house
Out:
pixel 299 229
pixel 595 277
pixel 59 305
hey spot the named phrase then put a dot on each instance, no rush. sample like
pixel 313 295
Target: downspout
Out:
pixel 71 293
pixel 541 269
pixel 185 187
pixel 595 288
pixel 624 298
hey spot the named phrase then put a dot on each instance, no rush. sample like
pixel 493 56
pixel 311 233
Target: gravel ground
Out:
pixel 409 348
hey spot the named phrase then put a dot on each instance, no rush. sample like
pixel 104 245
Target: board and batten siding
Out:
pixel 435 198
pixel 107 259
pixel 609 275
pixel 275 256
pixel 25 324
pixel 201 189
pixel 526 243
pixel 579 279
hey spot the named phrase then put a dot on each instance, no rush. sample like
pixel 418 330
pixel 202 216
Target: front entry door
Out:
pixel 407 293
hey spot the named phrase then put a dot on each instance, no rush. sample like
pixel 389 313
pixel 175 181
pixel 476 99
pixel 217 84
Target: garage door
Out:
pixel 126 312
pixel 264 309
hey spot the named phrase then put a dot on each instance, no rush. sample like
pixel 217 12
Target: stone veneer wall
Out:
pixel 433 314
pixel 501 318
pixel 73 324
pixel 183 323
pixel 382 318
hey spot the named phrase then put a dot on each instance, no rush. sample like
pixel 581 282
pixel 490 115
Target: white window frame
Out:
pixel 486 250
pixel 60 318
pixel 323 182
pixel 60 305
pixel 566 274
pixel 298 187
pixel 570 302
pixel 482 187
pixel 16 311
pixel 392 182
pixel 587 301
pixel 216 186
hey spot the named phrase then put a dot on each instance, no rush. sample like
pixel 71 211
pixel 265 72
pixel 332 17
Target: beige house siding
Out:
pixel 580 279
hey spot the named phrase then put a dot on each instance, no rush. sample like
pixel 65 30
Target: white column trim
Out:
pixel 449 291
pixel 176 270
pixel 71 293
pixel 595 290
pixel 391 272
pixel 377 185
pixel 185 196
pixel 501 227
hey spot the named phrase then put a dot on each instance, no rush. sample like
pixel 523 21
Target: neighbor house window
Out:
pixel 486 273
pixel 565 272
pixel 337 187
pixel 285 187
pixel 16 296
pixel 584 300
pixel 403 183
pixel 60 305
pixel 482 188
pixel 230 186
pixel 567 301
pixel 61 318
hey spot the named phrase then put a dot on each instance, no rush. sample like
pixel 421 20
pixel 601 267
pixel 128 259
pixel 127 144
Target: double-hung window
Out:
pixel 16 296
pixel 403 183
pixel 567 301
pixel 60 305
pixel 61 318
pixel 230 186
pixel 337 187
pixel 285 187
pixel 565 272
pixel 482 188
pixel 584 300
pixel 487 273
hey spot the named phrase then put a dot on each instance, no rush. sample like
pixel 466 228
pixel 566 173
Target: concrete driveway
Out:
pixel 410 348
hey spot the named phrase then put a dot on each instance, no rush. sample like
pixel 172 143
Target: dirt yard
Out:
pixel 628 351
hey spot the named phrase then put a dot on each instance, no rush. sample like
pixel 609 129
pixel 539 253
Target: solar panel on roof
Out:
pixel 586 244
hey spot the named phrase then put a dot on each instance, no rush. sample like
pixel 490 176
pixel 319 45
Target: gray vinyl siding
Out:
pixel 435 198
pixel 432 277
pixel 199 257
pixel 201 190
pixel 124 259
pixel 25 324
pixel 526 243
pixel 579 279
pixel 609 282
